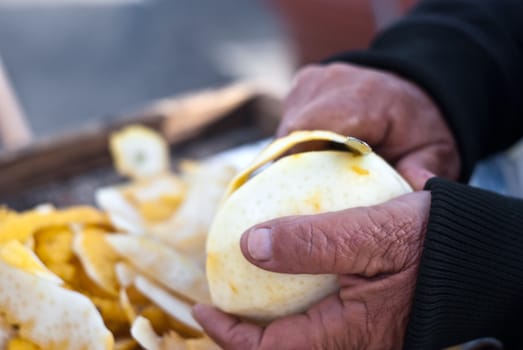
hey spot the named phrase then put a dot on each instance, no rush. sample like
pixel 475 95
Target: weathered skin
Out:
pixel 393 115
pixel 300 184
pixel 375 252
pixel 377 274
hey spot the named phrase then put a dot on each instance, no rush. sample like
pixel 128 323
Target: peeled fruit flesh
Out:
pixel 299 184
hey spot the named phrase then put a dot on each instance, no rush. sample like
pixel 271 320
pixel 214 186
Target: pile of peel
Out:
pixel 121 276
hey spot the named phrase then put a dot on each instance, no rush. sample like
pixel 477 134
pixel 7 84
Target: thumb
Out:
pixel 433 160
pixel 365 240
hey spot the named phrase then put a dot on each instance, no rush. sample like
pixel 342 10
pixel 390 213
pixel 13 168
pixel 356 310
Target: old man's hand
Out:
pixel 374 250
pixel 393 115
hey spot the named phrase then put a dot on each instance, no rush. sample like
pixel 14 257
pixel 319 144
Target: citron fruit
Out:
pixel 300 184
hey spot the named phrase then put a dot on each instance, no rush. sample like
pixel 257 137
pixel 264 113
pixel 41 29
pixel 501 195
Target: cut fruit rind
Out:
pixel 152 258
pixel 139 152
pixel 59 251
pixel 59 319
pixel 143 332
pixel 122 214
pixel 19 256
pixel 282 145
pixel 53 245
pixel 136 207
pixel 22 226
pixel 157 199
pixel 125 344
pixel 174 307
pixel 187 230
pixel 21 344
pixel 97 258
pixel 7 332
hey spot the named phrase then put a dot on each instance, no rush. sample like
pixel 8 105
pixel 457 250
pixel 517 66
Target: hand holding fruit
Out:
pixel 393 115
pixel 375 251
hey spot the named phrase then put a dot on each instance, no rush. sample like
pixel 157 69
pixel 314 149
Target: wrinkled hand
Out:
pixel 374 250
pixel 393 115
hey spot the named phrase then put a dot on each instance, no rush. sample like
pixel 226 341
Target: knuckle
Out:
pixel 339 68
pixel 339 243
pixel 395 236
pixel 306 239
pixel 336 69
pixel 376 243
pixel 368 84
pixel 317 243
pixel 307 72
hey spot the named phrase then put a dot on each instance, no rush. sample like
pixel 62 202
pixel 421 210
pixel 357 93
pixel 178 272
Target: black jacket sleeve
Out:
pixel 468 55
pixel 470 283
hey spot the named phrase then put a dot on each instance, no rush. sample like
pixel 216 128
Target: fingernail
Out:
pixel 259 244
pixel 426 174
pixel 418 176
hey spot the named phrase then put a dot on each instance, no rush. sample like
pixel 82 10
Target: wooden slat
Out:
pixel 178 119
pixel 14 129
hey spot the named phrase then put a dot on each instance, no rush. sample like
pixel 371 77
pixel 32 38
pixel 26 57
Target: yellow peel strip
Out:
pixel 282 145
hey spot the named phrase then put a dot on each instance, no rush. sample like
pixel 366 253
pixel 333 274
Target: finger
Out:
pixel 338 98
pixel 427 162
pixel 416 175
pixel 227 330
pixel 364 240
pixel 323 323
pixel 340 118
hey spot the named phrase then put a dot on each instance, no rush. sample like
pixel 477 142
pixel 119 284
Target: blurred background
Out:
pixel 68 64
pixel 75 62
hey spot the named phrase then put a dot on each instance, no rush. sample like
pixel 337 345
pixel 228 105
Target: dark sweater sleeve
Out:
pixel 470 283
pixel 468 56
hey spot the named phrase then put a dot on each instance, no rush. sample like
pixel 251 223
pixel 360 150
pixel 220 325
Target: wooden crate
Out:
pixel 66 170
